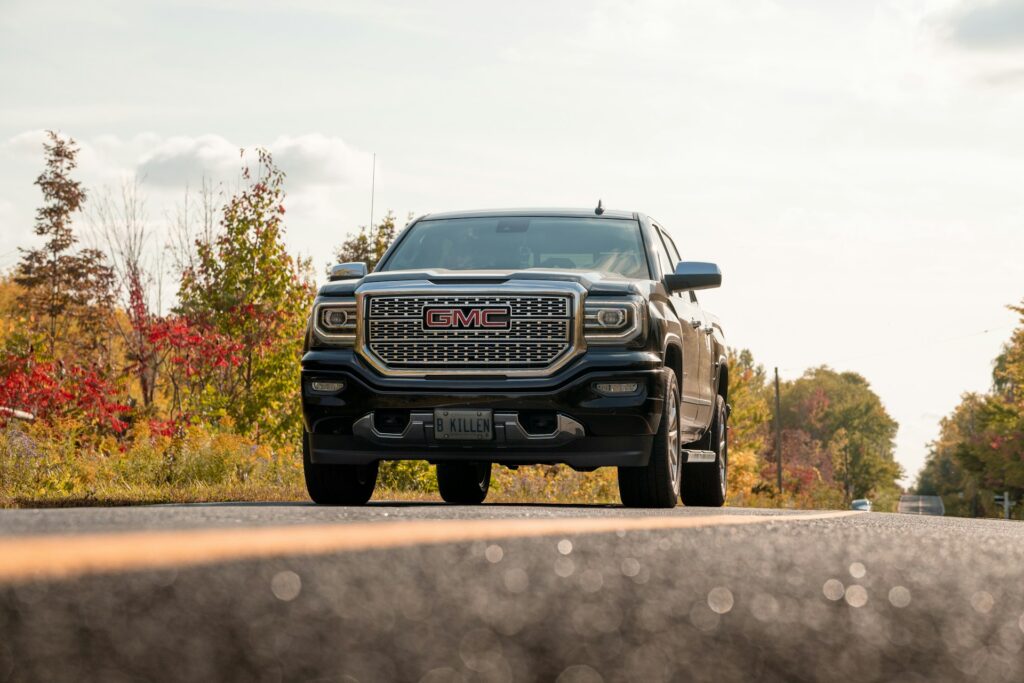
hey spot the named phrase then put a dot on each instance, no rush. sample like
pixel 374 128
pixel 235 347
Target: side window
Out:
pixel 673 252
pixel 664 255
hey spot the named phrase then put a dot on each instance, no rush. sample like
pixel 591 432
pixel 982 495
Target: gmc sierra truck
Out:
pixel 513 338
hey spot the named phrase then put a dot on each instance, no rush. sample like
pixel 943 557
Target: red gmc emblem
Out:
pixel 467 318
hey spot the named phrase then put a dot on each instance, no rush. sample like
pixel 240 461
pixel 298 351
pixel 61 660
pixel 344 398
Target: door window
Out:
pixel 667 265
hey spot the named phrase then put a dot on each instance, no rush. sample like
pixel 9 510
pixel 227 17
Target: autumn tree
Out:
pixel 122 225
pixel 982 442
pixel 64 288
pixel 945 474
pixel 748 420
pixel 847 424
pixel 246 287
pixel 369 244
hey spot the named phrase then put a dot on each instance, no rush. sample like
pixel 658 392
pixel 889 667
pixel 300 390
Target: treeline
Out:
pixel 105 395
pixel 108 396
pixel 85 339
pixel 837 440
pixel 980 449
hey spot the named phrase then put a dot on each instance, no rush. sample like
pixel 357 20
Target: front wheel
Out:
pixel 704 482
pixel 337 484
pixel 656 485
pixel 463 483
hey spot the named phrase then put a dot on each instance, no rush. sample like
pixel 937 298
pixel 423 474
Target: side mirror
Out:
pixel 694 275
pixel 347 271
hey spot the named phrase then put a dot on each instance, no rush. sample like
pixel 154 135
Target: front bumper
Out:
pixel 590 430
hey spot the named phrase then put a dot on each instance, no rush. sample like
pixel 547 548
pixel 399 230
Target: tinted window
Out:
pixel 673 252
pixel 667 264
pixel 607 245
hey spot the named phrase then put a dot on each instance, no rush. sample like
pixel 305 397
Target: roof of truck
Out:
pixel 499 213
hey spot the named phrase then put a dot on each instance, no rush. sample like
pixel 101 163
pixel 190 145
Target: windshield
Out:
pixel 607 245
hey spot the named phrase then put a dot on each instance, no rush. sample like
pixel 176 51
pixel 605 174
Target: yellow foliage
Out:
pixel 744 473
pixel 42 465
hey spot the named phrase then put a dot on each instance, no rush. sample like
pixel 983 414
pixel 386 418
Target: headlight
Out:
pixel 613 321
pixel 335 322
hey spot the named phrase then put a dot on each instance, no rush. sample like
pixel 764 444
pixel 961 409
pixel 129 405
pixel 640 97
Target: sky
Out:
pixel 855 168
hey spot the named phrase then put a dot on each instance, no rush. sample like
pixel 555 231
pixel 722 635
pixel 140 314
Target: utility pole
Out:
pixel 778 433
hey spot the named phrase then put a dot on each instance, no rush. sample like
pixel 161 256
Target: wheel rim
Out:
pixel 673 440
pixel 722 445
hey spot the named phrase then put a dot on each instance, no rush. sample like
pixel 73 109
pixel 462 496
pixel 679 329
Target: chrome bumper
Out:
pixel 508 432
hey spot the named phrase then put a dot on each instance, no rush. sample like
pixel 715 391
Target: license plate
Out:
pixel 463 425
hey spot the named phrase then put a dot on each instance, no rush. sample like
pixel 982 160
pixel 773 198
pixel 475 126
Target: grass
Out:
pixel 66 465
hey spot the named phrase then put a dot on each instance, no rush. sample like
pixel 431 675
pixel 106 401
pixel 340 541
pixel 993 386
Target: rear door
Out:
pixel 693 337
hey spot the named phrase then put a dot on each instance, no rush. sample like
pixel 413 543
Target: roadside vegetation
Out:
pixel 980 449
pixel 132 403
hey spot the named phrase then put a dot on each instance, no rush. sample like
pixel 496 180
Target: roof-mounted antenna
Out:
pixel 600 209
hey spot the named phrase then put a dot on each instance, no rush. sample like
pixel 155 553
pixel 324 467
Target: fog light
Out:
pixel 324 387
pixel 616 388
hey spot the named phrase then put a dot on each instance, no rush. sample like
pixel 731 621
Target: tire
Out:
pixel 704 483
pixel 463 483
pixel 657 484
pixel 337 484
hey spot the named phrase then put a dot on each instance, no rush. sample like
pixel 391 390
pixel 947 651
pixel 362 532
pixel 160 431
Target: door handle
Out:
pixel 694 323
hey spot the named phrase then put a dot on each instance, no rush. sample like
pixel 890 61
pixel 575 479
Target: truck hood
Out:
pixel 594 282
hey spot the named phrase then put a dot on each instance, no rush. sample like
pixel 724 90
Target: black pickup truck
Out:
pixel 519 337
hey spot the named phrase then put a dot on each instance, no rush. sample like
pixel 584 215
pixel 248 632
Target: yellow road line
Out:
pixel 66 556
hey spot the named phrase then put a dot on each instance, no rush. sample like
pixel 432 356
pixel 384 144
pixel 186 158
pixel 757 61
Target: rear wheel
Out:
pixel 657 484
pixel 463 483
pixel 337 484
pixel 704 482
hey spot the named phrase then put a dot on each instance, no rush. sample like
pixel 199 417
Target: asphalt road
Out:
pixel 545 593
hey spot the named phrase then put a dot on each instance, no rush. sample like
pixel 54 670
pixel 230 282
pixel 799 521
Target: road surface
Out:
pixel 424 592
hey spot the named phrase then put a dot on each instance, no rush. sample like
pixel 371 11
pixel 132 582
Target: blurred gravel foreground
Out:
pixel 873 597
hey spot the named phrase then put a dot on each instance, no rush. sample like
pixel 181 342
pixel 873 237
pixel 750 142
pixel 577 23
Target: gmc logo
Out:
pixel 467 318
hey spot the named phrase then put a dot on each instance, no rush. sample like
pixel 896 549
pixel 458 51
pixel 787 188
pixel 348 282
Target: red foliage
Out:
pixel 194 348
pixel 50 391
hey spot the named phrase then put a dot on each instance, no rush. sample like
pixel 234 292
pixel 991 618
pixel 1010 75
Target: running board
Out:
pixel 698 456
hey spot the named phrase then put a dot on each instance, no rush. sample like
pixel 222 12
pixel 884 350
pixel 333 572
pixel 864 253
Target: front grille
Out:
pixel 540 333
pixel 522 306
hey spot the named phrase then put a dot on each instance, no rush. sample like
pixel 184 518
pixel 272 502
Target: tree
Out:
pixel 63 287
pixel 840 412
pixel 989 440
pixel 246 287
pixel 944 473
pixel 748 420
pixel 369 244
pixel 122 224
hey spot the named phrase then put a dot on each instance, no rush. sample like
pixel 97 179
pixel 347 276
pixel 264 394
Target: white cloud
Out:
pixel 308 160
pixel 179 161
pixel 320 160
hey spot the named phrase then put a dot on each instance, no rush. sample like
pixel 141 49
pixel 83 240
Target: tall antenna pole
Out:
pixel 373 186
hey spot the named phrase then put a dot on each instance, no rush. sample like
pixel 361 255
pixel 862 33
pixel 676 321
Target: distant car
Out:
pixel 862 504
pixel 921 505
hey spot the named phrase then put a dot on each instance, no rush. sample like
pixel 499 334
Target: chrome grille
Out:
pixel 522 307
pixel 540 332
pixel 521 330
